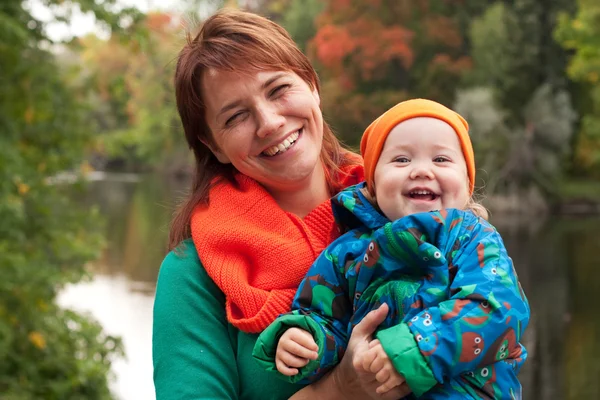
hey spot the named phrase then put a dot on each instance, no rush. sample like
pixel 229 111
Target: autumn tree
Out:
pixel 373 54
pixel 47 352
pixel 130 82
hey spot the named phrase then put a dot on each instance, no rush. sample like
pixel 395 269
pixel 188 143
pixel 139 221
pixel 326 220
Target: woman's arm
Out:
pixel 348 380
pixel 191 345
pixel 321 307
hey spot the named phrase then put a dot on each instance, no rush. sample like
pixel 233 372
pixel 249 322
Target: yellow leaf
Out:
pixel 23 188
pixel 37 340
pixel 86 168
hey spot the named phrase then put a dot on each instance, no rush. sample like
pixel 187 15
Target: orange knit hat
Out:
pixel 375 135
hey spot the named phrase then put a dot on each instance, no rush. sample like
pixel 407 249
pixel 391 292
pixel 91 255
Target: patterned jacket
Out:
pixel 456 305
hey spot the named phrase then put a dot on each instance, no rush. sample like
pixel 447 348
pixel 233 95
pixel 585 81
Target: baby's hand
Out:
pixel 377 362
pixel 295 349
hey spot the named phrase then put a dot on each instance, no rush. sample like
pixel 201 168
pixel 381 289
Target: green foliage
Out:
pixel 129 83
pixel 46 352
pixel 514 156
pixel 299 20
pixel 489 46
pixel 499 56
pixel 581 34
pixel 534 58
pixel 489 134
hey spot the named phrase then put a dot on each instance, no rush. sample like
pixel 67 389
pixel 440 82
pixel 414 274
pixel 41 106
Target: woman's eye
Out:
pixel 401 159
pixel 278 90
pixel 233 118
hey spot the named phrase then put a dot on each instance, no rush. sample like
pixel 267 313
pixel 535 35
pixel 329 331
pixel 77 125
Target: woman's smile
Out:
pixel 283 146
pixel 268 125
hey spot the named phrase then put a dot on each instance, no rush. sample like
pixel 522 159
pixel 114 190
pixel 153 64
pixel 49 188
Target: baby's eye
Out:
pixel 401 159
pixel 441 159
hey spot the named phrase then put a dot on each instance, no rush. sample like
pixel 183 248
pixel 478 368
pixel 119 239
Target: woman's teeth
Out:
pixel 283 146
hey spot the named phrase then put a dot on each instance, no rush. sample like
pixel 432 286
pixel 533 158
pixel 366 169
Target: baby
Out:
pixel 416 240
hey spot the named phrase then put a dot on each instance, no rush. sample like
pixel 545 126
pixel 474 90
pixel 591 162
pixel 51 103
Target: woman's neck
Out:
pixel 304 197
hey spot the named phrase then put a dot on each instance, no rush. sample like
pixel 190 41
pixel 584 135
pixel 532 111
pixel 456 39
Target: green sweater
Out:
pixel 196 353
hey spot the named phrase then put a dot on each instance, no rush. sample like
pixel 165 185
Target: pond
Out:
pixel 556 259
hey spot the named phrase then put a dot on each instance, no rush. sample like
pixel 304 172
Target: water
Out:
pixel 121 295
pixel 556 260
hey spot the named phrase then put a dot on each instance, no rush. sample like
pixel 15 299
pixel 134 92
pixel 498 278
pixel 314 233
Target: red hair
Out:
pixel 233 40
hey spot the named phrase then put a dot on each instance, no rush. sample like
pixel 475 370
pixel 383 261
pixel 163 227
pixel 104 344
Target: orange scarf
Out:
pixel 257 253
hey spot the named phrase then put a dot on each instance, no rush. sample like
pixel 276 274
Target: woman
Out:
pixel 258 214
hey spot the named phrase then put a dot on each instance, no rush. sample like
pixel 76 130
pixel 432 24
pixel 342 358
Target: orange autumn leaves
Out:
pixel 371 54
pixel 365 44
pixel 360 41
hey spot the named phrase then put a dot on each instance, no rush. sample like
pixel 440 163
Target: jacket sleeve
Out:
pixel 192 345
pixel 322 307
pixel 479 322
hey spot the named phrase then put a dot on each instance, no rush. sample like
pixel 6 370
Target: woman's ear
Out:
pixel 221 157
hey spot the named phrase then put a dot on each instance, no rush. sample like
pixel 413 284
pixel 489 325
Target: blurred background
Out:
pixel 93 163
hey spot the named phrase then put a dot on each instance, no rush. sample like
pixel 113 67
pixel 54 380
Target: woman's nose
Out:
pixel 269 120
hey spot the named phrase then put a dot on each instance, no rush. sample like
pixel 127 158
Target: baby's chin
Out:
pixel 419 208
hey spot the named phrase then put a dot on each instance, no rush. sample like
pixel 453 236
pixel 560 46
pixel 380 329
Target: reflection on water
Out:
pixel 555 259
pixel 121 295
pixel 123 311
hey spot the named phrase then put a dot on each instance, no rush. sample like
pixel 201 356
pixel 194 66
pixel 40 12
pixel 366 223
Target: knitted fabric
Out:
pixel 257 253
pixel 375 135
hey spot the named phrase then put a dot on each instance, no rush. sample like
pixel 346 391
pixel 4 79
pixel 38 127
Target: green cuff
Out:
pixel 401 347
pixel 266 344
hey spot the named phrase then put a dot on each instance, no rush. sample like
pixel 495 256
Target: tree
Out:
pixel 46 351
pixel 534 59
pixel 513 156
pixel 371 54
pixel 130 82
pixel 580 33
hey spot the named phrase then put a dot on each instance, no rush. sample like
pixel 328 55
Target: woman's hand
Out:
pixel 349 380
pixel 350 376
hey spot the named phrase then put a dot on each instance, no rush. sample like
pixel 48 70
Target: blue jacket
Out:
pixel 457 310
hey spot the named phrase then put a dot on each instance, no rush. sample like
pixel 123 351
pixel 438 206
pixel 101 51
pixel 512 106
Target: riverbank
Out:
pixel 569 198
pixel 579 197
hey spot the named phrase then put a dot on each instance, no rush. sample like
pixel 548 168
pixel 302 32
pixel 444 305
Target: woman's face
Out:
pixel 268 124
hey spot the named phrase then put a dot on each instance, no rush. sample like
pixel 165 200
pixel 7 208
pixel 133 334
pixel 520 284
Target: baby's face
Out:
pixel 421 168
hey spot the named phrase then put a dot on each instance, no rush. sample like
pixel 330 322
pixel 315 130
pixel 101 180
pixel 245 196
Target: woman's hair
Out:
pixel 233 40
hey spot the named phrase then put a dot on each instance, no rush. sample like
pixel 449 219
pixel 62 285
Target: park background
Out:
pixel 93 163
